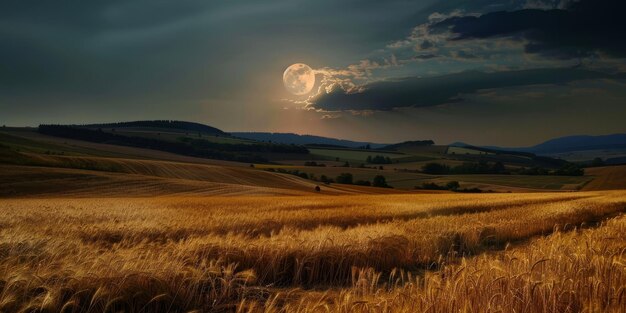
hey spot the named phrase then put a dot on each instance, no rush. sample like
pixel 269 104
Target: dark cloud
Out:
pixel 432 91
pixel 425 56
pixel 462 54
pixel 584 29
pixel 448 6
pixel 426 44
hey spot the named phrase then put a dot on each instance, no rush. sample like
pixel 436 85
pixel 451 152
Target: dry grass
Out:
pixel 608 177
pixel 73 176
pixel 391 253
pixel 580 271
pixel 101 177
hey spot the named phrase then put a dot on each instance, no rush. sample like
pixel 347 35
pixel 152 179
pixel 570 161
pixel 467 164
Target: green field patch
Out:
pixel 462 150
pixel 19 144
pixel 354 155
pixel 174 136
pixel 524 181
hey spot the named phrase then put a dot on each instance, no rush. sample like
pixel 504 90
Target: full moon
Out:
pixel 299 79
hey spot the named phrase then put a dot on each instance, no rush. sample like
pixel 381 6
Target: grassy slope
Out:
pixel 15 141
pixel 29 181
pixel 522 181
pixel 352 155
pixel 28 174
pixel 82 173
pixel 406 180
pixel 173 135
pixel 609 177
pixel 28 140
pixel 76 168
pixel 67 175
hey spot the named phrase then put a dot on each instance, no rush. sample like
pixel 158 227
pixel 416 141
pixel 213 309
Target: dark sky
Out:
pixel 501 72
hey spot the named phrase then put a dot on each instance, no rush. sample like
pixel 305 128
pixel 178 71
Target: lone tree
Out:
pixel 453 185
pixel 324 179
pixel 380 181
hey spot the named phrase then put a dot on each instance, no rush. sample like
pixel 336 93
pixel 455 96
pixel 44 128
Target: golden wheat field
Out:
pixel 533 252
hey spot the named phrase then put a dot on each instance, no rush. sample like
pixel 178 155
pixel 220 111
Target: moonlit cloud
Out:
pixel 434 91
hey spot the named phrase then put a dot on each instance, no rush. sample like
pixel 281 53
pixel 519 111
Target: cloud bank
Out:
pixel 583 29
pixel 572 40
pixel 433 91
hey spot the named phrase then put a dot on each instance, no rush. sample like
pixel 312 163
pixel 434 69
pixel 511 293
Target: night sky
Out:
pixel 492 72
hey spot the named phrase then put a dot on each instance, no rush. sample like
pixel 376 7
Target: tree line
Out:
pixel 167 124
pixel 185 146
pixel 378 159
pixel 484 167
pixel 343 178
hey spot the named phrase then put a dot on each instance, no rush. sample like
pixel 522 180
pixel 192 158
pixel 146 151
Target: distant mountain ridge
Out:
pixel 567 144
pixel 552 146
pixel 576 143
pixel 414 143
pixel 291 138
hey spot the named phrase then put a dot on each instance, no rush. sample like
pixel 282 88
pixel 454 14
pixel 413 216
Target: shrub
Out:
pixel 326 180
pixel 431 186
pixel 435 168
pixel 378 159
pixel 313 163
pixel 453 185
pixel 344 178
pixel 380 181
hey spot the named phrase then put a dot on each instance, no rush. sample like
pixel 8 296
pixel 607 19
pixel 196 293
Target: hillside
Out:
pixel 160 124
pixel 409 144
pixel 36 181
pixel 402 167
pixel 26 171
pixel 34 173
pixel 567 144
pixel 577 143
pixel 30 140
pixel 184 144
pixel 90 176
pixel 290 138
pixel 607 178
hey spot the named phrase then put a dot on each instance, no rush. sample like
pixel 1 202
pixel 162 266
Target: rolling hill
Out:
pixel 38 168
pixel 183 143
pixel 96 157
pixel 577 143
pixel 607 178
pixel 567 144
pixel 160 124
pixel 290 138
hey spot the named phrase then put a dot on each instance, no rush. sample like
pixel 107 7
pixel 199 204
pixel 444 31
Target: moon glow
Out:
pixel 299 79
